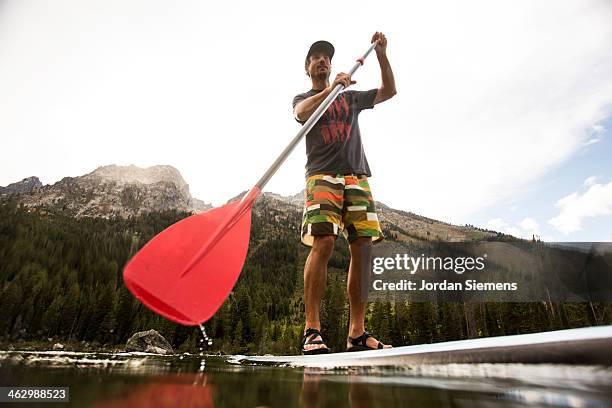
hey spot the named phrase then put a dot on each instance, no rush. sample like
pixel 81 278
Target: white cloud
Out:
pixel 523 229
pixel 590 181
pixel 598 129
pixel 207 86
pixel 575 208
pixel 596 132
pixel 529 224
pixel 498 224
pixel 591 141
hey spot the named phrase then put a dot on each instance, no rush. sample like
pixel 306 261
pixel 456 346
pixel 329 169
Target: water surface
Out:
pixel 140 379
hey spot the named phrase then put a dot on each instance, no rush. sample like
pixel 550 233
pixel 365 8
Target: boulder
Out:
pixel 58 346
pixel 149 342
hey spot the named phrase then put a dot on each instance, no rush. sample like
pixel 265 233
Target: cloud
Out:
pixel 575 208
pixel 591 141
pixel 598 129
pixel 523 229
pixel 498 224
pixel 477 118
pixel 590 181
pixel 529 224
pixel 596 132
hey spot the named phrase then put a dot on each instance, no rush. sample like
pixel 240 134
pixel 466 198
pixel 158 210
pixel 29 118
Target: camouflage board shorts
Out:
pixel 339 203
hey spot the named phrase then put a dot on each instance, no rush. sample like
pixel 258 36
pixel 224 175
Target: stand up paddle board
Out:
pixel 590 345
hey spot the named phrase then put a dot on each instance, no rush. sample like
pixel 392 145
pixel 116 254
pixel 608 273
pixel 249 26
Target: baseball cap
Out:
pixel 321 46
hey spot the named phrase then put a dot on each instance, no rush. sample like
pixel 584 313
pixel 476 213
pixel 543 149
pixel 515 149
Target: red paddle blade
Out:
pixel 153 275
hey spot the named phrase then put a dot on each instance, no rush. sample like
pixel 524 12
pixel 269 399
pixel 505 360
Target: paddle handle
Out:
pixel 253 193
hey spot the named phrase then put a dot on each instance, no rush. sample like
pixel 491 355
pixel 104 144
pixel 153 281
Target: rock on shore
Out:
pixel 149 342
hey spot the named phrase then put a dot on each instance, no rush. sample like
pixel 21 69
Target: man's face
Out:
pixel 319 66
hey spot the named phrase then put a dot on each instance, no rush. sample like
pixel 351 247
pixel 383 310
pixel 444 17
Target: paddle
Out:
pixel 186 272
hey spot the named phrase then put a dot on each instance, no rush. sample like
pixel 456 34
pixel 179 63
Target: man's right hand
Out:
pixel 344 79
pixel 305 108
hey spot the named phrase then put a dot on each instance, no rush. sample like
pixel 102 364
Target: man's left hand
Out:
pixel 381 46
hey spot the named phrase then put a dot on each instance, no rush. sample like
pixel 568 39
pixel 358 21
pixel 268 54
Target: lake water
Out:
pixel 139 380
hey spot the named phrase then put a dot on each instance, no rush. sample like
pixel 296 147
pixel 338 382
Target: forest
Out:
pixel 61 280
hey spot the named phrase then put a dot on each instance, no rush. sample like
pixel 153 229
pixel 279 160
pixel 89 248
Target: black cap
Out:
pixel 321 46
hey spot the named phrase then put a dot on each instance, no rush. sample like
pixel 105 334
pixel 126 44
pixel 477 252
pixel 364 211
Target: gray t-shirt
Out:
pixel 333 145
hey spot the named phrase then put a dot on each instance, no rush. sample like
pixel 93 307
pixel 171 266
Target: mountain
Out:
pixel 403 225
pixel 26 185
pixel 125 191
pixel 60 275
pixel 111 191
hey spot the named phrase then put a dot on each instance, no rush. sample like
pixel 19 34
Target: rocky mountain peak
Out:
pixel 113 191
pixel 135 174
pixel 125 191
pixel 24 186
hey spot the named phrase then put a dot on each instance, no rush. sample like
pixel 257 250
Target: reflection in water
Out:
pixel 359 394
pixel 138 380
pixel 310 397
pixel 176 390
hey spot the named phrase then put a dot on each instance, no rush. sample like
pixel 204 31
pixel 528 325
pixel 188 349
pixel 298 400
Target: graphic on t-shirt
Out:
pixel 335 123
pixel 333 145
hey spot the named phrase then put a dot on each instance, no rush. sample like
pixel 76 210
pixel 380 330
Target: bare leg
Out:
pixel 315 277
pixel 358 302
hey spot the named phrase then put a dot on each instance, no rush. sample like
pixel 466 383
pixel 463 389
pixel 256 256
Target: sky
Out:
pixel 502 118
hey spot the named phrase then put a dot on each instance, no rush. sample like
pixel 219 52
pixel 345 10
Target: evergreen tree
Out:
pixel 61 277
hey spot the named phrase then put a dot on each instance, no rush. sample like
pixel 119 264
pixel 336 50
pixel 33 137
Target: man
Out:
pixel 338 196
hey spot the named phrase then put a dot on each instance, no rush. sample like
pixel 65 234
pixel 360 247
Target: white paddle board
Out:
pixel 589 345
